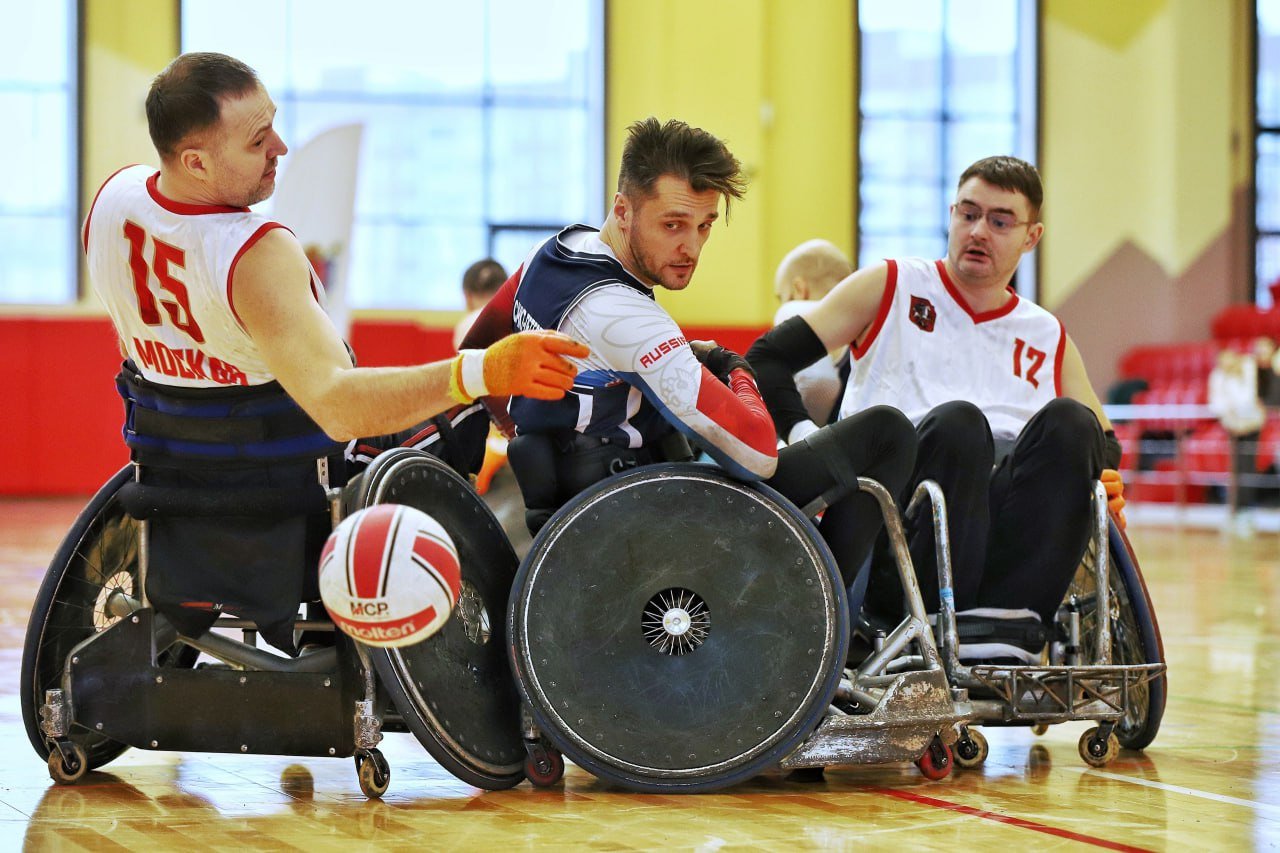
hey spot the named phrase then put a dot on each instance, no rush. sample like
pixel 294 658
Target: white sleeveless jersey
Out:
pixel 163 269
pixel 927 347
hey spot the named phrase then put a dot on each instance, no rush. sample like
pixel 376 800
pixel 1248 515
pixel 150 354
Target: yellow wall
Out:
pixel 126 43
pixel 1145 116
pixel 774 81
pixel 1145 131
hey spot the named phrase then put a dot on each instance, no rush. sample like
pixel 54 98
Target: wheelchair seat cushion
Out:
pixel 258 568
pixel 994 635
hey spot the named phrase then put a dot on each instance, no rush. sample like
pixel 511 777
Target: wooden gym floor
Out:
pixel 1211 780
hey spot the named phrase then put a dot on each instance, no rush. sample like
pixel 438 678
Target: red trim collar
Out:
pixel 960 300
pixel 183 208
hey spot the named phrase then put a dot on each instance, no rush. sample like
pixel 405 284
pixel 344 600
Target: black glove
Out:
pixel 720 361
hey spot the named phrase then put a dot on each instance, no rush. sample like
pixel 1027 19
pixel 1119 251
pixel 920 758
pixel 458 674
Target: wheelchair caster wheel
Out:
pixel 936 762
pixel 1039 729
pixel 1097 752
pixel 67 769
pixel 971 749
pixel 543 766
pixel 374 773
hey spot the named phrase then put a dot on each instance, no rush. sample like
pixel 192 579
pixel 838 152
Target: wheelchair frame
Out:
pixel 130 682
pixel 901 707
pixel 1075 682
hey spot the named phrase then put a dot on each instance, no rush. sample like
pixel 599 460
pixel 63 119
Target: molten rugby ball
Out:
pixel 389 575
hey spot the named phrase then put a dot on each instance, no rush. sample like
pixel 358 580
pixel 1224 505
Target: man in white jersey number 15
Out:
pixel 235 379
pixel 205 293
pixel 1008 422
pixel 644 383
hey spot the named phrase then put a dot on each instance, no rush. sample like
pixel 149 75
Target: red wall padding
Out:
pixel 63 416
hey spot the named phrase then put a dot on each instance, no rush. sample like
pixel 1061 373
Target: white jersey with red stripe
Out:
pixel 927 347
pixel 164 269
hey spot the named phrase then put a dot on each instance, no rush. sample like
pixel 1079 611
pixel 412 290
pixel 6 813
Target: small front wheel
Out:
pixel 68 769
pixel 971 749
pixel 1096 751
pixel 544 766
pixel 374 773
pixel 936 762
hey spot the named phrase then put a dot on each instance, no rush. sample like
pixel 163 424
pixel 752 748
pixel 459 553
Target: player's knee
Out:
pixel 957 433
pixel 1070 424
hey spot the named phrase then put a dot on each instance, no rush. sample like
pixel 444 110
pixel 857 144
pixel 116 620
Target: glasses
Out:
pixel 999 221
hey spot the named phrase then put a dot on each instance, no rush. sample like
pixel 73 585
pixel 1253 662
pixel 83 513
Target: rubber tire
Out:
pixel 1135 636
pixel 102 542
pixel 487 562
pixel 578 525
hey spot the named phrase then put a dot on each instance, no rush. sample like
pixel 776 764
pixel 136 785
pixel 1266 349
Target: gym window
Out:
pixel 483 123
pixel 1267 152
pixel 942 84
pixel 38 207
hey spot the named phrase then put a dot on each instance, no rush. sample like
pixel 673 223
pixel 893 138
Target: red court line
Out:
pixel 1007 819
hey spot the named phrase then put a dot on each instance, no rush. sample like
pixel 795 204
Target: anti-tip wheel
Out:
pixel 374 773
pixel 1097 752
pixel 936 762
pixel 971 749
pixel 68 771
pixel 544 767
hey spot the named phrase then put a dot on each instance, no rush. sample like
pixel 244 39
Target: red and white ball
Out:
pixel 389 575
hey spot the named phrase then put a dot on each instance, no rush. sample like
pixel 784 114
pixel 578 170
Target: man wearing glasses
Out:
pixel 1008 422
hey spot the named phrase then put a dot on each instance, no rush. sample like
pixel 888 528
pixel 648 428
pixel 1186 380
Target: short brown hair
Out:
pixel 654 149
pixel 1011 174
pixel 185 96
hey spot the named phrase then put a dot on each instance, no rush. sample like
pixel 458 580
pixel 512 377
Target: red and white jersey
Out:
pixel 927 347
pixel 163 269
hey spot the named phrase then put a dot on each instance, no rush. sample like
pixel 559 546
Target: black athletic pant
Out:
pixel 879 444
pixel 1019 521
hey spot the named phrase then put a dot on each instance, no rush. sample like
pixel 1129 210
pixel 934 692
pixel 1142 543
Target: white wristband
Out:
pixel 473 373
pixel 800 430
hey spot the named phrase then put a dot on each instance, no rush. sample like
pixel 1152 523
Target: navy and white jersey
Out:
pixel 927 347
pixel 641 379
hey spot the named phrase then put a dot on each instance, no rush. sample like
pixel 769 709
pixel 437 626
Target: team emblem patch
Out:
pixel 923 314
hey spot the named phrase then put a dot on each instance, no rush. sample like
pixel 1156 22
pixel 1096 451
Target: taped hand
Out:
pixel 1114 485
pixel 720 361
pixel 532 364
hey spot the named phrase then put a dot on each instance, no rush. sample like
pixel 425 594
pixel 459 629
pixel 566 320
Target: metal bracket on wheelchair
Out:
pixel 55 715
pixel 368 726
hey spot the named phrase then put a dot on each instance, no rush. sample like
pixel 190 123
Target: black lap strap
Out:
pixel 141 500
pixel 167 425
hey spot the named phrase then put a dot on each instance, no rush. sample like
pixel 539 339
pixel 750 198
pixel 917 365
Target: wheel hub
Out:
pixel 676 621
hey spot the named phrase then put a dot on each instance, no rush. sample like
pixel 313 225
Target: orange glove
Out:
pixel 1115 494
pixel 495 456
pixel 526 364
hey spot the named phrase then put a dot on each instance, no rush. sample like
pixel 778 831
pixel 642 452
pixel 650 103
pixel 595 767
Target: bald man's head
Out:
pixel 810 270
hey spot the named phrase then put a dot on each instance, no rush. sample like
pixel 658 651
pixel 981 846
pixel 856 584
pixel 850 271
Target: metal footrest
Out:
pixel 1061 693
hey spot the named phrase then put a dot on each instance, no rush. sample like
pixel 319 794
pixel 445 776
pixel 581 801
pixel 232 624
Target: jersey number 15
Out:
pixel 164 258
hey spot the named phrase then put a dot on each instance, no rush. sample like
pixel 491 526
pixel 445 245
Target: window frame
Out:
pixel 1029 83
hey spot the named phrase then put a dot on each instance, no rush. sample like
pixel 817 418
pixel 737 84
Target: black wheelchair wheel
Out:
pixel 454 690
pixel 98 557
pixel 1135 634
pixel 674 630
